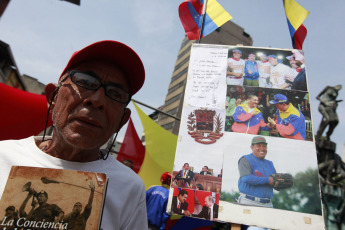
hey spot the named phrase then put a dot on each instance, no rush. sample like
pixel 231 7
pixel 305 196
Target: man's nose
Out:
pixel 96 99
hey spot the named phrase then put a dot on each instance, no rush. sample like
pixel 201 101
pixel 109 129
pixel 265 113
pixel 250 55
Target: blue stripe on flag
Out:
pixel 209 25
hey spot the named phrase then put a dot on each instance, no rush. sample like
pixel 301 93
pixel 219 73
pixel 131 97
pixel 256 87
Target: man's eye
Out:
pixel 115 93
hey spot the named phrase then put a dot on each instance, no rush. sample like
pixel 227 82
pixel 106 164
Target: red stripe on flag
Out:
pixel 191 28
pixel 132 148
pixel 299 37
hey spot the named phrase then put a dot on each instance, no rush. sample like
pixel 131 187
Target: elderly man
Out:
pixel 256 183
pixel 234 74
pixel 290 122
pixel 210 210
pixel 248 118
pixel 88 105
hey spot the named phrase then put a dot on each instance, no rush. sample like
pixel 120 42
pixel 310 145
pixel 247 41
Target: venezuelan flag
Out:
pixel 296 15
pixel 191 14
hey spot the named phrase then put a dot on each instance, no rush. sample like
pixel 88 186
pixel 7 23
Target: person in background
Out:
pixel 251 71
pixel 156 203
pixel 205 171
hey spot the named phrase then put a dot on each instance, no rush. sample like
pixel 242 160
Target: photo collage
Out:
pixel 245 144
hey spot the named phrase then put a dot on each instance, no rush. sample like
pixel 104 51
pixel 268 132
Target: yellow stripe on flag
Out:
pixel 160 151
pixel 217 13
pixel 295 13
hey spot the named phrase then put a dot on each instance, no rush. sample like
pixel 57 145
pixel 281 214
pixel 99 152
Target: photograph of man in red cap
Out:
pixel 88 105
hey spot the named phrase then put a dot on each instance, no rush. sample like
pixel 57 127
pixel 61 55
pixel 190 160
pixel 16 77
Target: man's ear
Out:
pixel 126 115
pixel 50 92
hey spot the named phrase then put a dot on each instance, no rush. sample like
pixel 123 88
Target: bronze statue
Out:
pixel 327 107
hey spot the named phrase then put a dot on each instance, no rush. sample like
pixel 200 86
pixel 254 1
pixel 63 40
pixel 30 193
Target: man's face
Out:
pixel 182 198
pixel 273 61
pixel 204 169
pixel 9 213
pixel 84 118
pixel 253 102
pixel 77 207
pixel 41 198
pixel 281 107
pixel 263 58
pixel 293 63
pixel 259 150
pixel 237 55
pixel 208 202
pixel 186 167
pixel 251 57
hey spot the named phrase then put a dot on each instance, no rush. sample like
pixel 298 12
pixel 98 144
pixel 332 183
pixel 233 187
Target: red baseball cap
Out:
pixel 114 52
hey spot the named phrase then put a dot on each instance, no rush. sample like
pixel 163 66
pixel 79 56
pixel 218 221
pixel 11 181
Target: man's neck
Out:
pixel 67 152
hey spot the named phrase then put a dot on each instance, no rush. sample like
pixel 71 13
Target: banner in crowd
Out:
pixel 246 140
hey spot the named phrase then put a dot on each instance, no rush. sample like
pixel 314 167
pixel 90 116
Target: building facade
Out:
pixel 228 34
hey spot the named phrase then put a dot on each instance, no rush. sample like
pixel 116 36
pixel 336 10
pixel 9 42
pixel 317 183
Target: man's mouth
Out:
pixel 89 122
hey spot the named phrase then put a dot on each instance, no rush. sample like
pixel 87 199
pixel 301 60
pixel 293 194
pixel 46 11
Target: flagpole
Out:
pixel 160 111
pixel 202 20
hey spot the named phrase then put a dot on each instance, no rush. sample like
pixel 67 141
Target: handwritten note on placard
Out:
pixel 206 74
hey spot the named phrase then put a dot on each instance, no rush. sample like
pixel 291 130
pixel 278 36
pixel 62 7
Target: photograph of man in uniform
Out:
pixel 76 219
pixel 10 219
pixel 44 212
pixel 255 182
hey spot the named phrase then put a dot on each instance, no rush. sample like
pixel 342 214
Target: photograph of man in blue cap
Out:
pixel 289 121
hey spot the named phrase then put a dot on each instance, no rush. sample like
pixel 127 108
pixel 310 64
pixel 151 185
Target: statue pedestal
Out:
pixel 332 187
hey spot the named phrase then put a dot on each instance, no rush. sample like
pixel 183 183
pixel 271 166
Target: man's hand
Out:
pixel 271 122
pixel 187 213
pixel 271 180
pixel 33 203
pixel 92 186
pixel 289 78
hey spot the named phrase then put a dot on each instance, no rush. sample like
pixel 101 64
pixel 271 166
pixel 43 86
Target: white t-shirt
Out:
pixel 237 66
pixel 125 204
pixel 278 74
pixel 264 69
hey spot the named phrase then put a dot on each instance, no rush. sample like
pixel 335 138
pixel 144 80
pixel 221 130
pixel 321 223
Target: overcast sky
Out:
pixel 43 34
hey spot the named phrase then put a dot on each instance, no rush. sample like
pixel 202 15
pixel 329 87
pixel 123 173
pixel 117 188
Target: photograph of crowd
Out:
pixel 268 112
